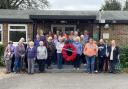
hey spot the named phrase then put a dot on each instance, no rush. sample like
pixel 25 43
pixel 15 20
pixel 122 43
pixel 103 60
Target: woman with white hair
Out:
pixel 59 48
pixel 83 59
pixel 42 56
pixel 79 48
pixel 31 56
pixel 51 50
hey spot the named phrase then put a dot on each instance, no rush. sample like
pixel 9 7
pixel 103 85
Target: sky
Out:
pixel 76 4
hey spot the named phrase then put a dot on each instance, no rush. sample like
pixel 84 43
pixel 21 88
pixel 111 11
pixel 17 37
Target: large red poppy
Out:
pixel 65 52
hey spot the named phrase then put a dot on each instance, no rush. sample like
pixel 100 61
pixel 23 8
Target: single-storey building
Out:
pixel 15 24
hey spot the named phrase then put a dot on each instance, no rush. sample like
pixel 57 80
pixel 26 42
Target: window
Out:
pixel 17 31
pixel 1 33
pixel 63 28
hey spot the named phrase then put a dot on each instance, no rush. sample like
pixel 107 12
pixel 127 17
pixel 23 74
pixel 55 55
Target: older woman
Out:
pixel 79 48
pixel 31 56
pixel 7 57
pixel 59 47
pixel 11 47
pixel 114 56
pixel 37 40
pixel 51 50
pixel 42 56
pixel 19 55
pixel 90 51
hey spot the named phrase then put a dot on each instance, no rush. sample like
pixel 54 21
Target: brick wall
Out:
pixel 118 32
pixel 30 31
pixel 5 34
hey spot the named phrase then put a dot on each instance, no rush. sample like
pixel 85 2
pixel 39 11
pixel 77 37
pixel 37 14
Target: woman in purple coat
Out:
pixel 37 40
pixel 31 56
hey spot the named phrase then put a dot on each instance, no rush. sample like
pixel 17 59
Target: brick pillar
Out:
pixel 5 34
pixel 30 31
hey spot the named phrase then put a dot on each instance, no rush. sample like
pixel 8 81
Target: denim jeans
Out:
pixel 90 64
pixel 59 60
pixel 31 65
pixel 17 64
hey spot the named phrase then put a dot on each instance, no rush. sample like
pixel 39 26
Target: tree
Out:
pixel 126 5
pixel 23 4
pixel 111 5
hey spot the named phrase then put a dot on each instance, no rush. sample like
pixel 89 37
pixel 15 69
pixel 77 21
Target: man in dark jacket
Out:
pixel 106 62
pixel 101 54
pixel 114 56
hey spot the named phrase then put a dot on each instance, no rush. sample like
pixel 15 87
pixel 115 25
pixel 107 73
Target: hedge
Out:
pixel 1 54
pixel 124 56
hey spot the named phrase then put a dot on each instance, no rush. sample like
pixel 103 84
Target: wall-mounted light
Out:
pixel 97 27
pixel 106 26
pixel 114 21
pixel 62 21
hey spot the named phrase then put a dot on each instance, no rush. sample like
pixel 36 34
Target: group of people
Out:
pixel 46 49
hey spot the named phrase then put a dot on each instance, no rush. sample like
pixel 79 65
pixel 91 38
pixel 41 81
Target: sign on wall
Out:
pixel 105 35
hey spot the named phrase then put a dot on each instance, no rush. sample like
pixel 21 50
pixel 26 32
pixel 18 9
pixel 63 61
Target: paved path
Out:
pixel 65 81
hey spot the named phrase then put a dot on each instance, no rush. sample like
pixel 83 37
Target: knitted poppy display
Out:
pixel 69 52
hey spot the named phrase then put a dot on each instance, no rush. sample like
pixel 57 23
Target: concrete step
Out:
pixel 65 69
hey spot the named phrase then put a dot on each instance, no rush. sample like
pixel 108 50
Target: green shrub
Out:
pixel 1 54
pixel 124 56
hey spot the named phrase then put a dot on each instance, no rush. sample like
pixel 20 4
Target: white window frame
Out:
pixel 1 29
pixel 9 29
pixel 63 27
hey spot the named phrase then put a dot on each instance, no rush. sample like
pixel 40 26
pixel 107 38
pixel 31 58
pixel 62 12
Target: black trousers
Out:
pixel 106 63
pixel 12 63
pixel 49 61
pixel 112 66
pixel 96 64
pixel 77 61
pixel 41 64
pixel 101 63
pixel 83 59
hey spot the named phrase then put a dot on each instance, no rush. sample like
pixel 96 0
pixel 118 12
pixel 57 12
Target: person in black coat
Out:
pixel 106 62
pixel 51 50
pixel 114 52
pixel 101 54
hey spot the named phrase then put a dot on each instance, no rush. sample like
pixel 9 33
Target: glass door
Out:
pixel 69 29
pixel 63 28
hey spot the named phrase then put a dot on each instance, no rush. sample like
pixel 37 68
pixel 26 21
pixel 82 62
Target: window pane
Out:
pixel 17 27
pixel 68 29
pixel 16 35
pixel 0 36
pixel 55 29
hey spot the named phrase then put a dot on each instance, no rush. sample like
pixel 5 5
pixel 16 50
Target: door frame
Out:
pixel 63 27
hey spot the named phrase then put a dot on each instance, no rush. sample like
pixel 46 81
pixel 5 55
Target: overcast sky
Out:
pixel 76 4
